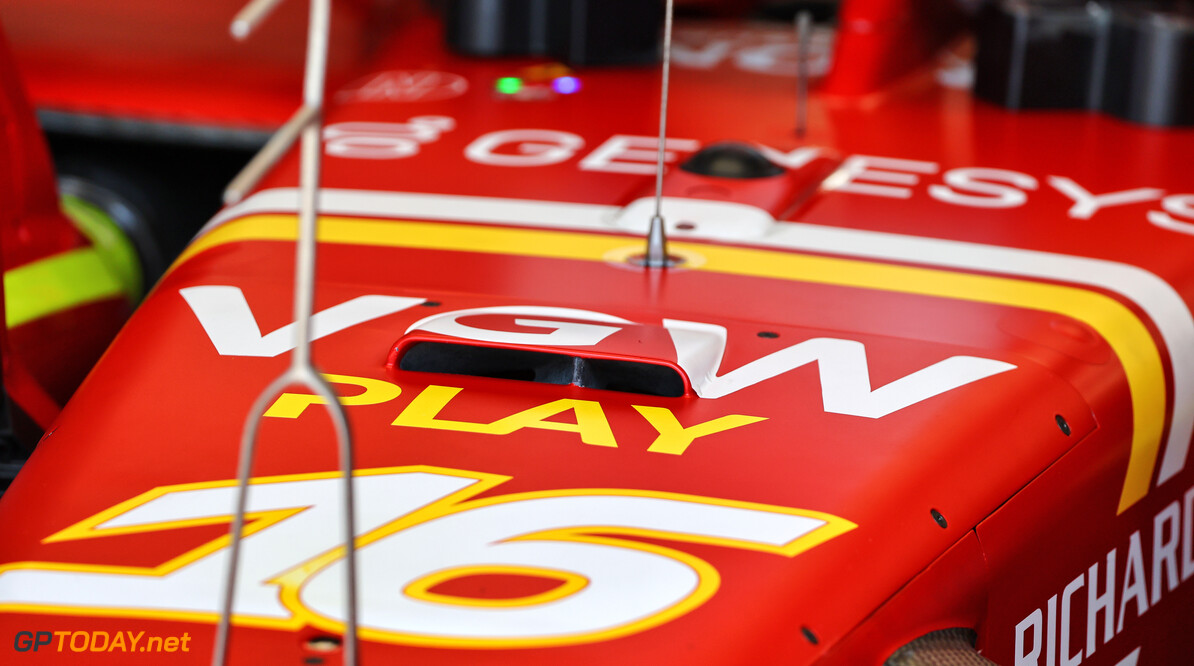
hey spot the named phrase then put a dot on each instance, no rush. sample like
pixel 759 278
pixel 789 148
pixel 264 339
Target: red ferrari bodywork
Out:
pixel 939 373
pixel 46 353
pixel 151 62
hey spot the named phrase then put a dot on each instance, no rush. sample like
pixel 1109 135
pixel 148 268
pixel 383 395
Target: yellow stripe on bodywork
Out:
pixel 1118 325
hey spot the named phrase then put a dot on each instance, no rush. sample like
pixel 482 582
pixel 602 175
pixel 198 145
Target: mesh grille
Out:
pixel 948 647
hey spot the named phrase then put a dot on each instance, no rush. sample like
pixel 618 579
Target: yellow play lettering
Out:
pixel 421 412
pixel 376 391
pixel 590 424
pixel 675 438
pixel 588 417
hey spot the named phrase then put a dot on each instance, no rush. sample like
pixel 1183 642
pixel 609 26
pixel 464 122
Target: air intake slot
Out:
pixel 543 367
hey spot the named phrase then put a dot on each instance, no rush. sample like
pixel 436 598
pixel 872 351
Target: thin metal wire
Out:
pixel 657 256
pixel 313 82
pixel 269 155
pixel 301 372
pixel 251 16
pixel 804 24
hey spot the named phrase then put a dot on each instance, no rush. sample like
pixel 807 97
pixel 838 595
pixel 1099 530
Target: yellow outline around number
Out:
pixel 570 583
pixel 709 577
pixel 291 581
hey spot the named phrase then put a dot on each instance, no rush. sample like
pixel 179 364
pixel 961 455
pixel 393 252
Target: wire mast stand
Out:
pixel 306 122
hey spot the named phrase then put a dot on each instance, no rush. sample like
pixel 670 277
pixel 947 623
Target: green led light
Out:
pixel 509 85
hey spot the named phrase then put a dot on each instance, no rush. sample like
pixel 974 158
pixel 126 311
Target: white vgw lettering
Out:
pixel 228 321
pixel 845 376
pixel 230 325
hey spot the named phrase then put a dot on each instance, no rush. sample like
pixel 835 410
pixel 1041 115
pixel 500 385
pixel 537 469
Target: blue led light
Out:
pixel 566 85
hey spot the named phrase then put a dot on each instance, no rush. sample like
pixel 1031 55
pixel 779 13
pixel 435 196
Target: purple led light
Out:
pixel 566 85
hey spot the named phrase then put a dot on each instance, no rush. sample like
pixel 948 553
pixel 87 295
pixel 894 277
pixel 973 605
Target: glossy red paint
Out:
pixel 1036 472
pixel 879 41
pixel 45 359
pixel 34 227
pixel 144 61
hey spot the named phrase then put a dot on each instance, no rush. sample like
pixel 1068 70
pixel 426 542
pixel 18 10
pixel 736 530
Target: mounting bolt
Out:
pixel 809 635
pixel 939 518
pixel 323 644
pixel 1061 423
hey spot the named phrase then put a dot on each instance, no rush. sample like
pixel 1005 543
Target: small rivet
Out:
pixel 1061 423
pixel 939 518
pixel 809 635
pixel 323 644
pixel 431 304
pixel 685 226
pixel 768 334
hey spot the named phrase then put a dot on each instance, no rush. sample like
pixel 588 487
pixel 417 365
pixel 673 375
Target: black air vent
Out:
pixel 543 367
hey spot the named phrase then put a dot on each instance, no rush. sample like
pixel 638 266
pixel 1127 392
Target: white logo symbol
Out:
pixel 384 141
pixel 405 86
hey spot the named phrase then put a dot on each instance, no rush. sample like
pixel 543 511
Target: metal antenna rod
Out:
pixel 301 371
pixel 656 236
pixel 251 16
pixel 803 31
pixel 268 156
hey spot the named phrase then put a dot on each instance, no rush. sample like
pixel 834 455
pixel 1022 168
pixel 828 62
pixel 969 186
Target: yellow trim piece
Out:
pixel 106 269
pixel 117 251
pixel 1117 324
pixel 61 282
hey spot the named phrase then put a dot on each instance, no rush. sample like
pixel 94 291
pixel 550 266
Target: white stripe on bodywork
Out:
pixel 1152 294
